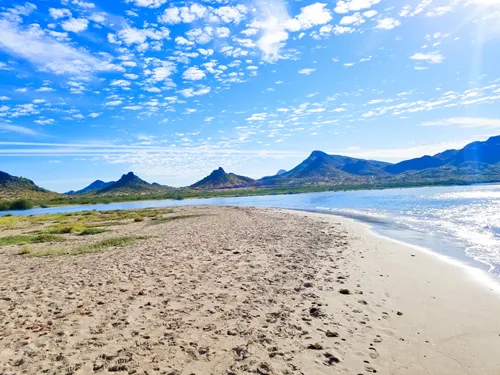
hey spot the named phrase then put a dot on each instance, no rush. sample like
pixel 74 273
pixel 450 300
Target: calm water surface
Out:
pixel 461 222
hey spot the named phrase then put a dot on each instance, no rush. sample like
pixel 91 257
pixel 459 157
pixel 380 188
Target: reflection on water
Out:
pixel 460 221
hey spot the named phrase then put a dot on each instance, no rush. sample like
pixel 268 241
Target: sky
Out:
pixel 172 90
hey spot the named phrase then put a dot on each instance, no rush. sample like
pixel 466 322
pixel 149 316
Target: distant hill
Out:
pixel 476 162
pixel 129 184
pixel 219 179
pixel 321 168
pixel 12 187
pixel 487 152
pixel 96 185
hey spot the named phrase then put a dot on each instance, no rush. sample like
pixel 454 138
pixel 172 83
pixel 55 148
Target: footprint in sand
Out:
pixel 373 353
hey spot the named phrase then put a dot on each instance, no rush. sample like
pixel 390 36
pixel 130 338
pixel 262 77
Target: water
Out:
pixel 462 222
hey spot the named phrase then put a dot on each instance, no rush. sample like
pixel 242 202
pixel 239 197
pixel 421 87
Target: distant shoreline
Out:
pixel 180 194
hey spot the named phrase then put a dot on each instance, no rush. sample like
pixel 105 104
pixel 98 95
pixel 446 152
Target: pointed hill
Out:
pixel 321 168
pixel 219 179
pixel 130 184
pixel 12 187
pixel 96 185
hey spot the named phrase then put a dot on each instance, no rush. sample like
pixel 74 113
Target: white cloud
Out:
pixel 193 74
pixel 120 83
pixel 387 23
pixel 306 71
pixel 94 114
pixel 46 121
pixel 147 3
pixel 98 17
pixel 486 3
pixel 274 16
pixel 59 13
pixel 439 11
pixel 187 93
pixel 311 15
pixel 185 14
pixel 430 57
pixel 466 122
pixel 4 98
pixel 49 54
pixel 230 14
pixel 338 30
pixel 75 25
pixel 346 6
pixel 222 32
pixel 17 129
pixel 258 117
pixel 370 13
pixel 131 35
pixel 113 103
pixel 83 4
pixel 163 72
pixel 354 19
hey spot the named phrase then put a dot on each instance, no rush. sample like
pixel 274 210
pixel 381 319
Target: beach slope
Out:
pixel 232 290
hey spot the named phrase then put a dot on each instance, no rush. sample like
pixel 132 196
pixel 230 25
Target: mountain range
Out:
pixel 476 162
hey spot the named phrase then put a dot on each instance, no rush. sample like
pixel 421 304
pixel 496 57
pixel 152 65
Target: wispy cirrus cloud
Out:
pixel 17 129
pixel 48 54
pixel 466 122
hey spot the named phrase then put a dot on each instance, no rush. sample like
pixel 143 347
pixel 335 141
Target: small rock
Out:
pixel 316 346
pixel 345 291
pixel 399 313
pixel 264 369
pixel 315 312
pixel 331 334
pixel 331 359
pixel 18 362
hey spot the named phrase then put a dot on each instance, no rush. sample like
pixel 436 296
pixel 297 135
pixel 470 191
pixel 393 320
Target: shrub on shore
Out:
pixel 18 204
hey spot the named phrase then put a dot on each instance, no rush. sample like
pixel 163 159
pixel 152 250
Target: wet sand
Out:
pixel 241 290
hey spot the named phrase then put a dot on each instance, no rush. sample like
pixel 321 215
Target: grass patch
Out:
pixel 25 239
pixel 65 228
pixel 92 231
pixel 86 249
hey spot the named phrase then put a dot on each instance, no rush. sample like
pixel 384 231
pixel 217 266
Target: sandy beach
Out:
pixel 233 290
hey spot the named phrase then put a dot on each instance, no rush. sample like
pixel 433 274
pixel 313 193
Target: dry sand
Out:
pixel 240 290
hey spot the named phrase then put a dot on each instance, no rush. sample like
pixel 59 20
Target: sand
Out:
pixel 241 290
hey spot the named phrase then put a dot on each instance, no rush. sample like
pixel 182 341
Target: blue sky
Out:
pixel 172 90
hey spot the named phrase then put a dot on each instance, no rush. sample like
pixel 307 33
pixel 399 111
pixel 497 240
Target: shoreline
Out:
pixel 472 267
pixel 449 301
pixel 477 273
pixel 239 290
pixel 41 204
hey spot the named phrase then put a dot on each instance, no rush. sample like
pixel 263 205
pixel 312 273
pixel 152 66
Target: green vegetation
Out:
pixel 92 231
pixel 65 228
pixel 18 204
pixel 85 249
pixel 25 239
pixel 37 230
